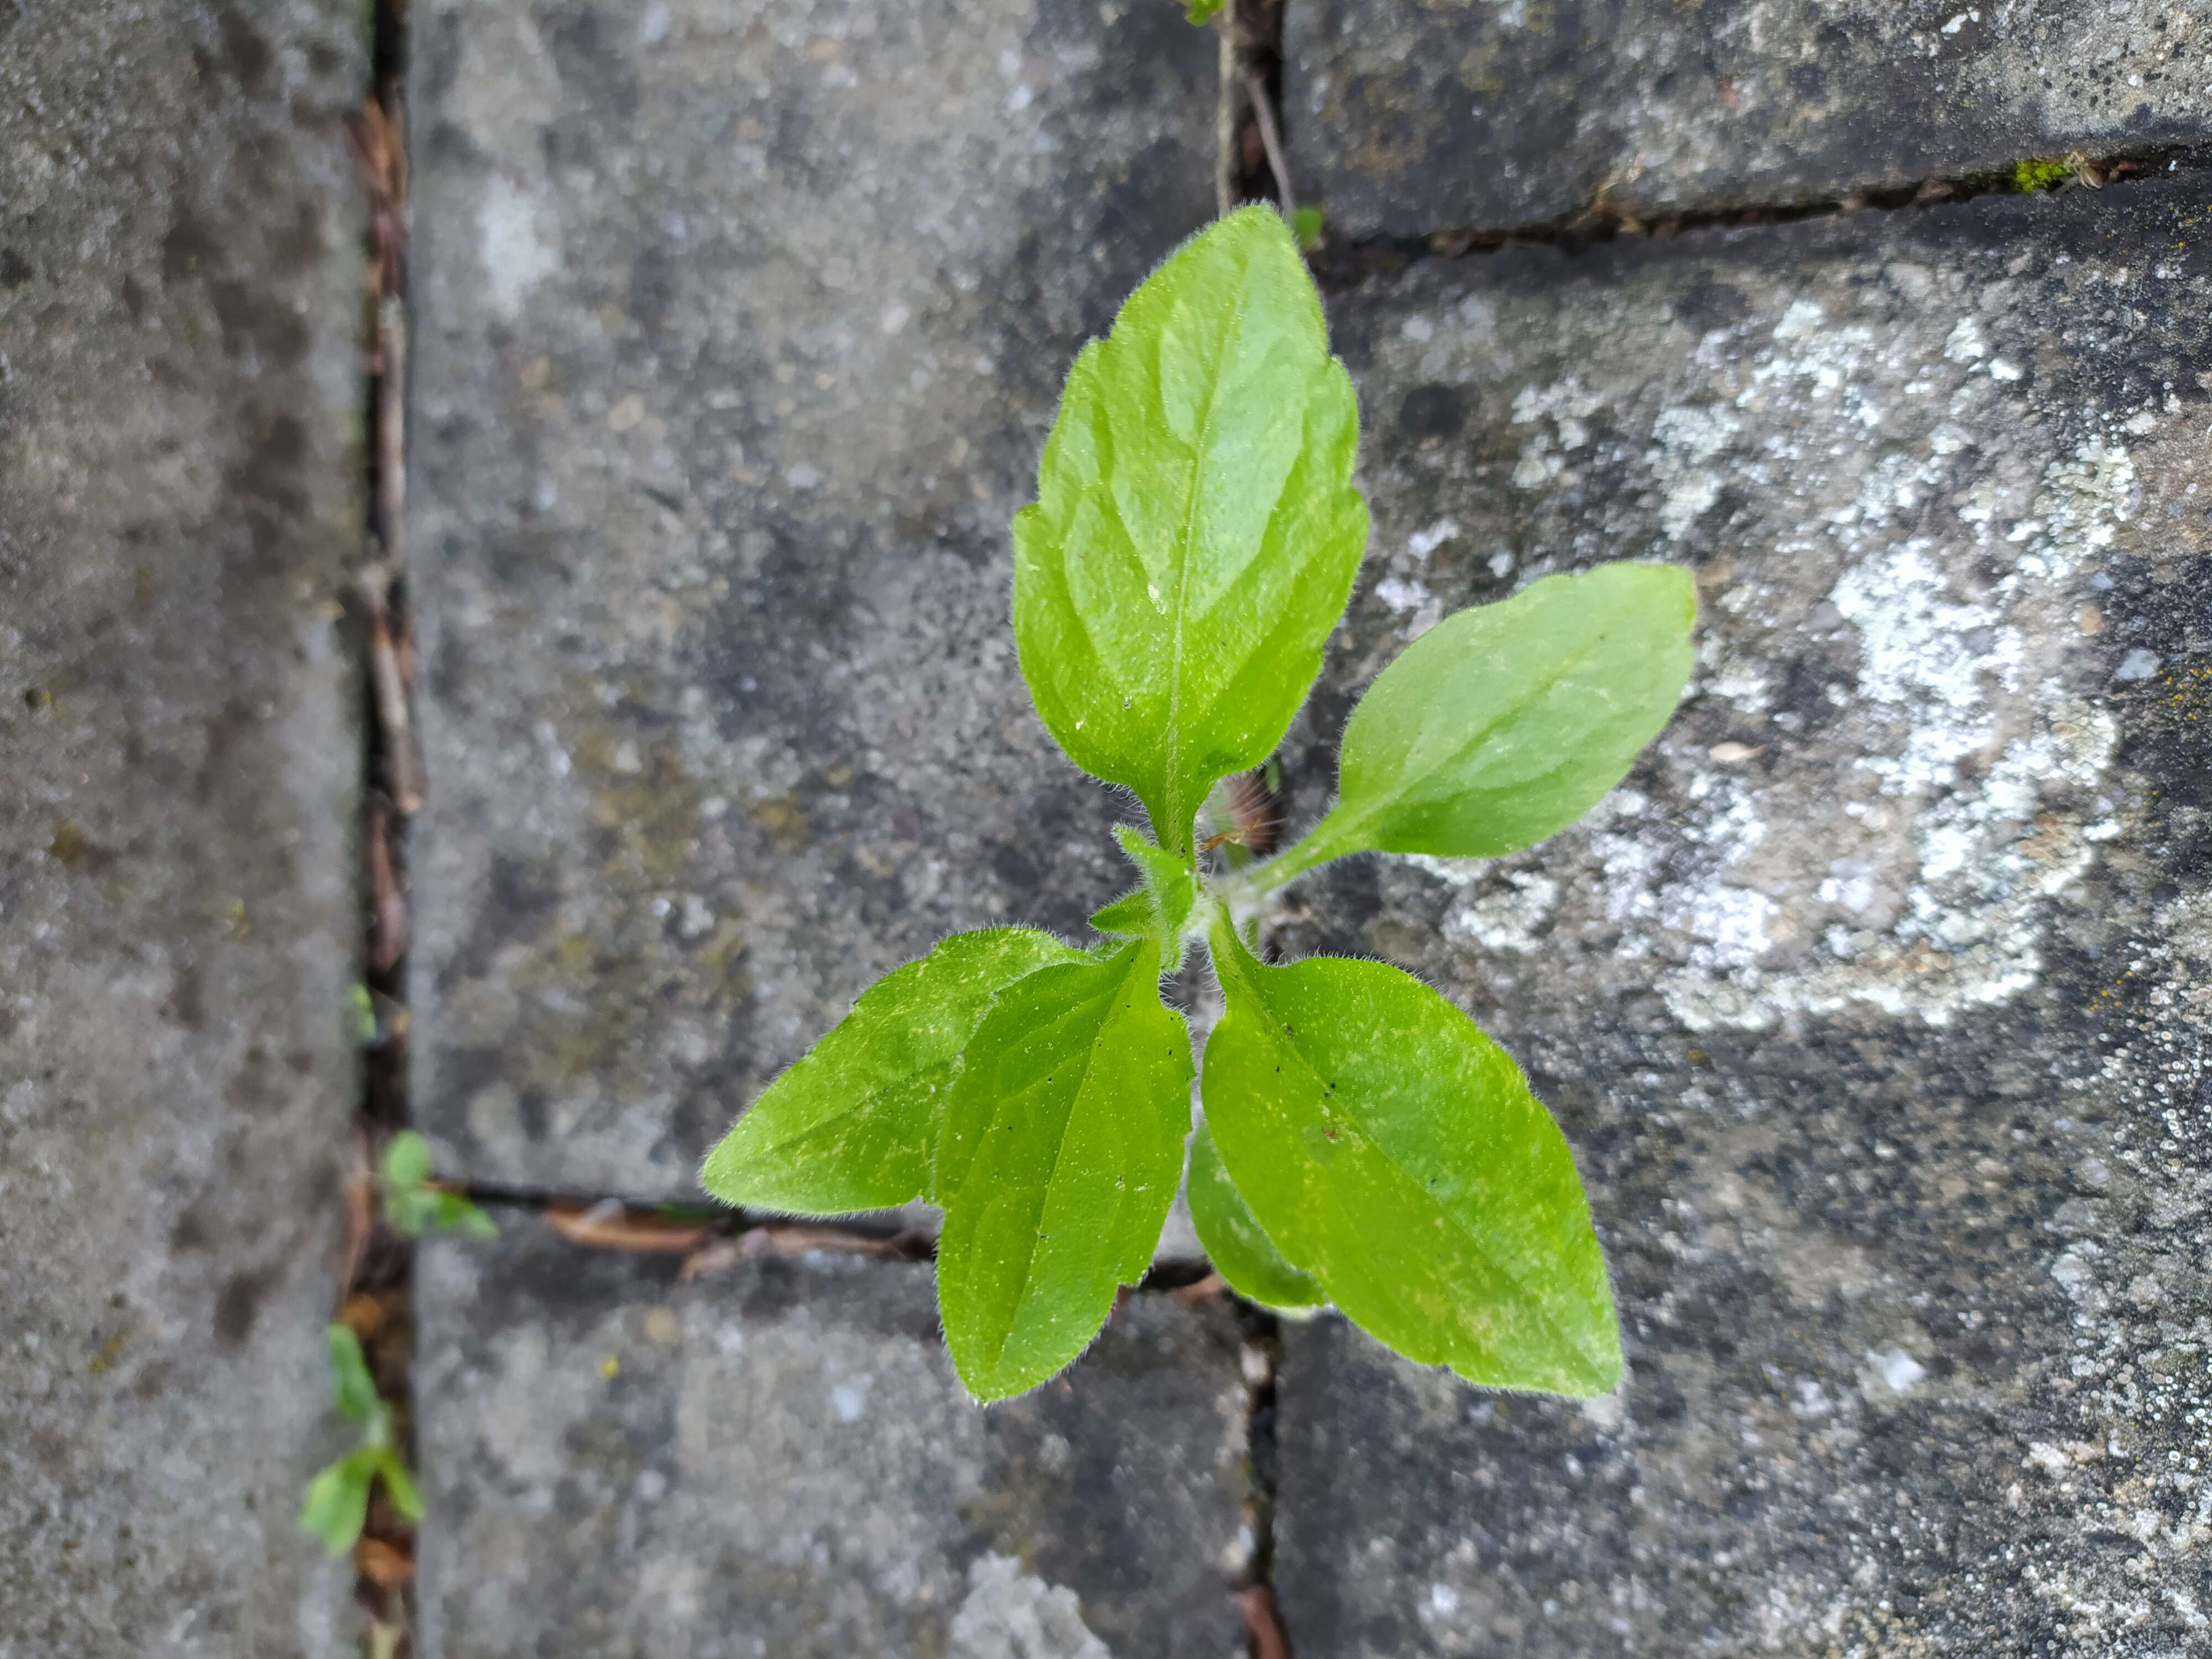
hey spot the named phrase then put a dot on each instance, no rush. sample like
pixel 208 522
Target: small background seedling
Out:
pixel 337 1506
pixel 1194 542
pixel 414 1204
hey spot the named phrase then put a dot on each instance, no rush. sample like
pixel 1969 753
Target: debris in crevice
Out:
pixel 1251 164
pixel 1341 265
pixel 1255 1590
pixel 376 1296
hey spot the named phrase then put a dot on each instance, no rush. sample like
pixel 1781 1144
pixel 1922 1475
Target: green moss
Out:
pixel 2029 177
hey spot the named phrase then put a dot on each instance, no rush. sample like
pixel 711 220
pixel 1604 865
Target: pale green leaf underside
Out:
pixel 1392 1151
pixel 1506 723
pixel 1059 1158
pixel 1132 915
pixel 1161 909
pixel 1235 1243
pixel 853 1125
pixel 337 1503
pixel 1196 532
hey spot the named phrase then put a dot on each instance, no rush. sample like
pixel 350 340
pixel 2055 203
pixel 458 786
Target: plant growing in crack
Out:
pixel 1194 542
pixel 415 1204
pixel 337 1508
pixel 337 1498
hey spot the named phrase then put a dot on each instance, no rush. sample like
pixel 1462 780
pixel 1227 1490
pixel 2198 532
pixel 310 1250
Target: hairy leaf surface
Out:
pixel 1394 1152
pixel 1058 1159
pixel 1506 723
pixel 1195 531
pixel 1160 908
pixel 1237 1244
pixel 853 1125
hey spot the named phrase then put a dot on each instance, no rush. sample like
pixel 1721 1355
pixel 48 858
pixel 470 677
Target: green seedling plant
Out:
pixel 1363 1145
pixel 337 1498
pixel 414 1204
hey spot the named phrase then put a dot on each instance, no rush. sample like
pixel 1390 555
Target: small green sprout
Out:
pixel 2029 177
pixel 1203 11
pixel 1193 543
pixel 337 1498
pixel 1306 226
pixel 414 1204
pixel 360 1015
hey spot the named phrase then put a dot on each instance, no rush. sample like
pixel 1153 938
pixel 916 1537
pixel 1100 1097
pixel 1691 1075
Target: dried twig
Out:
pixel 360 1211
pixel 387 940
pixel 1204 1289
pixel 1263 112
pixel 610 1224
pixel 390 688
pixel 796 1238
pixel 383 1564
pixel 790 1238
pixel 1262 1623
pixel 1224 115
pixel 392 428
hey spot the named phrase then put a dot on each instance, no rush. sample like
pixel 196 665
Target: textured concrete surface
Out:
pixel 1874 1004
pixel 179 379
pixel 738 331
pixel 1406 119
pixel 777 1459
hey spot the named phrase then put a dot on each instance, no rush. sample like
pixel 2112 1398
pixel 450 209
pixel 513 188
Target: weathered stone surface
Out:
pixel 739 329
pixel 1409 119
pixel 179 294
pixel 1874 1004
pixel 779 1460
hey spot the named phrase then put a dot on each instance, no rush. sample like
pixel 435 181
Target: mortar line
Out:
pixel 376 1293
pixel 1344 266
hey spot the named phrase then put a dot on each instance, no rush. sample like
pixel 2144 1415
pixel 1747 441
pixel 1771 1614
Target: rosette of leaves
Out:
pixel 1194 542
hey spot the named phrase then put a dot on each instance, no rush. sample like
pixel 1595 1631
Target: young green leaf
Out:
pixel 1159 909
pixel 1237 1244
pixel 456 1214
pixel 1196 532
pixel 1394 1152
pixel 361 1015
pixel 853 1124
pixel 1060 1149
pixel 337 1506
pixel 1132 915
pixel 353 1390
pixel 1506 723
pixel 406 1161
pixel 399 1483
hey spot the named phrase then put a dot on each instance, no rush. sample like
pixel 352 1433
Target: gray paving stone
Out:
pixel 179 289
pixel 739 329
pixel 1874 1004
pixel 778 1459
pixel 1406 120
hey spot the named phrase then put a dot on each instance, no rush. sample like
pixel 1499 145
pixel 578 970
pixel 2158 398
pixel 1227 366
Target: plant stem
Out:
pixel 1255 882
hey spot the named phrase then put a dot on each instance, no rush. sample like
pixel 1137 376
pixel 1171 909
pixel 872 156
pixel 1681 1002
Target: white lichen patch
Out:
pixel 1561 414
pixel 1011 1615
pixel 1910 783
pixel 1684 442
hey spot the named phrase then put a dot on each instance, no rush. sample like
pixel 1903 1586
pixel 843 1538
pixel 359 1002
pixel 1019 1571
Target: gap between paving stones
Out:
pixel 375 1286
pixel 1251 35
pixel 1342 266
